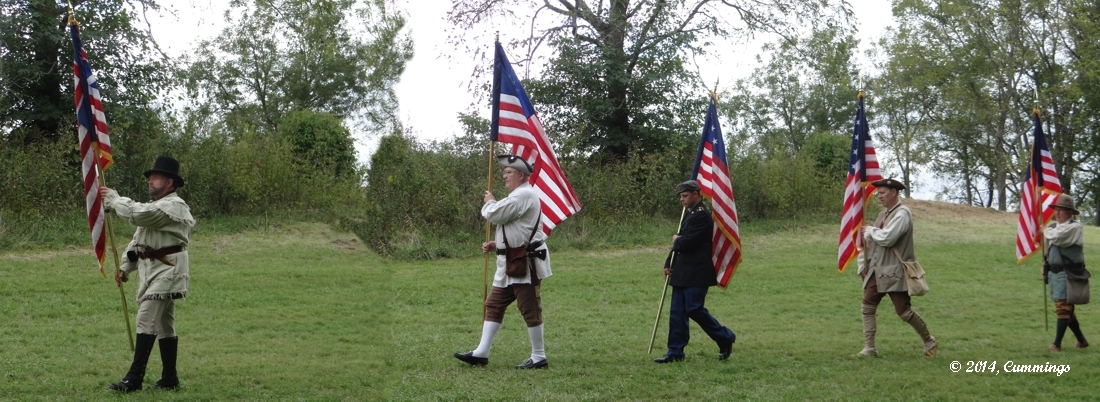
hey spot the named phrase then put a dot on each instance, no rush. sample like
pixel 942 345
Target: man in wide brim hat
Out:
pixel 158 254
pixel 167 166
pixel 1064 259
pixel 1065 201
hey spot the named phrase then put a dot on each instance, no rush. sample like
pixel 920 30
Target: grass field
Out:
pixel 300 312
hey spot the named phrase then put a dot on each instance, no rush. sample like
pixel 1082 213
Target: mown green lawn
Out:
pixel 300 312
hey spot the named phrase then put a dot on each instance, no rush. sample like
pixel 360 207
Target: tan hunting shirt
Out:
pixel 162 223
pixel 893 229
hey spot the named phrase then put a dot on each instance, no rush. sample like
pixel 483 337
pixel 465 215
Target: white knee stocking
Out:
pixel 488 333
pixel 538 350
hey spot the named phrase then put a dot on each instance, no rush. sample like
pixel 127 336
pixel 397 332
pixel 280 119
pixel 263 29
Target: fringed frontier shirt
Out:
pixel 166 222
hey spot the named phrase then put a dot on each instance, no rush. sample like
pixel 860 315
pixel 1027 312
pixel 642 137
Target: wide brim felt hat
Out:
pixel 167 166
pixel 889 183
pixel 516 163
pixel 1065 201
pixel 690 185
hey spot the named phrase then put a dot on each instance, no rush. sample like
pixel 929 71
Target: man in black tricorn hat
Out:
pixel 691 274
pixel 881 270
pixel 158 253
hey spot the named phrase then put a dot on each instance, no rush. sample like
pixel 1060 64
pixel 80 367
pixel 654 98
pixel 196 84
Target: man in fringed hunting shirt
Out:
pixel 158 253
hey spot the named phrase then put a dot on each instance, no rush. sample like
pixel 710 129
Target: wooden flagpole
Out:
pixel 106 216
pixel 488 230
pixel 114 250
pixel 664 289
pixel 1039 207
pixel 488 225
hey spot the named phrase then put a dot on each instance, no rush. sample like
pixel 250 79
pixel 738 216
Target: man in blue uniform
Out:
pixel 691 273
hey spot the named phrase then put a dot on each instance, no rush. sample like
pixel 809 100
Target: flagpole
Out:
pixel 107 217
pixel 114 247
pixel 488 227
pixel 664 289
pixel 1037 205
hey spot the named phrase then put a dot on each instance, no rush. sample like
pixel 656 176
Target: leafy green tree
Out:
pixel 583 113
pixel 1082 35
pixel 320 141
pixel 335 56
pixel 628 48
pixel 981 63
pixel 806 87
pixel 903 104
pixel 36 57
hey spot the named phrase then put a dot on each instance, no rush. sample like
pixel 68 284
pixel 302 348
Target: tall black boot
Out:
pixel 1076 328
pixel 133 379
pixel 1059 332
pixel 168 378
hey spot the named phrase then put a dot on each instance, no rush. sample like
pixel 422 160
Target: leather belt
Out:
pixel 531 251
pixel 145 252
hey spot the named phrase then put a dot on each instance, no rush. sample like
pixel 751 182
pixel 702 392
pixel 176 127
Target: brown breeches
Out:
pixel 1064 310
pixel 526 297
pixel 872 297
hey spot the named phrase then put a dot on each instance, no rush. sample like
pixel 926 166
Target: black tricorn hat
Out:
pixel 167 166
pixel 889 183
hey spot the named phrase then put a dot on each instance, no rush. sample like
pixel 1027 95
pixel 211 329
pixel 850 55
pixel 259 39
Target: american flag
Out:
pixel 1041 189
pixel 862 170
pixel 515 122
pixel 713 176
pixel 94 142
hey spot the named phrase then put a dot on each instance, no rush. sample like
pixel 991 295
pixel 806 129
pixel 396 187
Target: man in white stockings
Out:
pixel 517 218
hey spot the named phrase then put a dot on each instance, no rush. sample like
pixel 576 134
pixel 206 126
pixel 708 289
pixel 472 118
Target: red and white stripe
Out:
pixel 529 141
pixel 714 182
pixel 857 191
pixel 1038 194
pixel 95 144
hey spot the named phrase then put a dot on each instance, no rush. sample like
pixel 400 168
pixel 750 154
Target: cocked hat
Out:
pixel 690 185
pixel 1065 201
pixel 516 163
pixel 889 183
pixel 167 166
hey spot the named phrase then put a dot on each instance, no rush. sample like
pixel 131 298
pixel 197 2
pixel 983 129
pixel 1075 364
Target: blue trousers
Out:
pixel 687 302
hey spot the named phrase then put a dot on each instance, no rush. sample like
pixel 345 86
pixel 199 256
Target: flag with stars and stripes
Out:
pixel 514 121
pixel 1041 189
pixel 862 170
pixel 713 175
pixel 95 145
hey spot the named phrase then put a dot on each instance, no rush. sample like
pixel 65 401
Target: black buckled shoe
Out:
pixel 531 364
pixel 126 386
pixel 668 359
pixel 472 360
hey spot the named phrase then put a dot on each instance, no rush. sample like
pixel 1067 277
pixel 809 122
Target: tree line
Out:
pixel 258 114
